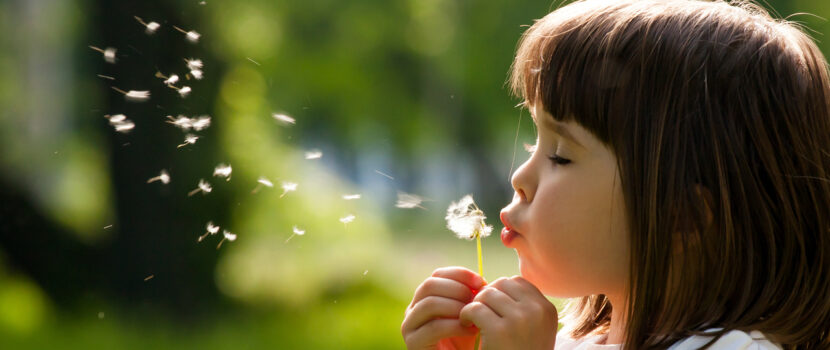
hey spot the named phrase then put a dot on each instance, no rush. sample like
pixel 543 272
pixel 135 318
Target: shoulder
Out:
pixel 594 342
pixel 732 340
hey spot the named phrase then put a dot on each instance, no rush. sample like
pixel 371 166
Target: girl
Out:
pixel 679 189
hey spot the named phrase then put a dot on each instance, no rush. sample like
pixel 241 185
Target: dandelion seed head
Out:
pixel 197 74
pixel 347 219
pixel 171 80
pixel 466 219
pixel 284 118
pixel 109 54
pixel 408 201
pixel 313 154
pixel 211 228
pixel 152 27
pixel 193 36
pixel 184 91
pixel 229 235
pixel 222 170
pixel 265 182
pixel 349 197
pixel 298 231
pixel 137 96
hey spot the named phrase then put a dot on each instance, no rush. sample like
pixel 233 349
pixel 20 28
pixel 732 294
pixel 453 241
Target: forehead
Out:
pixel 544 120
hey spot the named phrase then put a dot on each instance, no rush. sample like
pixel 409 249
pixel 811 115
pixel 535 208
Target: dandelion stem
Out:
pixel 480 260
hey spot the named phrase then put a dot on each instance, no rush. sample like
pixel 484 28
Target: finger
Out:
pixel 430 308
pixel 430 333
pixel 461 274
pixel 502 304
pixel 442 287
pixel 478 314
pixel 512 288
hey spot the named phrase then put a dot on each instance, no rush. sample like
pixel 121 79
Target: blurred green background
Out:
pixel 400 96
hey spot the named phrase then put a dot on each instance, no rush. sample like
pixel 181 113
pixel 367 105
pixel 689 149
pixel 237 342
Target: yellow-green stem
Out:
pixel 481 273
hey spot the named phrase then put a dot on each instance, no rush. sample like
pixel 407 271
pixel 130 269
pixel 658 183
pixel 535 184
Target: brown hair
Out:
pixel 719 116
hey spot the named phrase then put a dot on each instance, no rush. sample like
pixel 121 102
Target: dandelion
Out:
pixel 349 197
pixel 288 187
pixel 150 27
pixel 211 229
pixel 203 187
pixel 193 64
pixel 189 139
pixel 164 177
pixel 297 232
pixel 223 170
pixel 409 201
pixel 467 221
pixel 192 35
pixel 284 118
pixel 313 154
pixel 197 74
pixel 109 53
pixel 262 181
pixel 226 236
pixel 134 95
pixel 347 219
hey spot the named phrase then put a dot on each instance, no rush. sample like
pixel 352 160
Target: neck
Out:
pixel 616 335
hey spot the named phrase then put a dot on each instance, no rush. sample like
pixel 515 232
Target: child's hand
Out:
pixel 431 320
pixel 512 314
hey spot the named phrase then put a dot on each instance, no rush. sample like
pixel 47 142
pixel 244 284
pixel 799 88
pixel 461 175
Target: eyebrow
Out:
pixel 558 128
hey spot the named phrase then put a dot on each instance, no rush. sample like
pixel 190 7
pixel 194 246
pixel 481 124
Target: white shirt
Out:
pixel 733 340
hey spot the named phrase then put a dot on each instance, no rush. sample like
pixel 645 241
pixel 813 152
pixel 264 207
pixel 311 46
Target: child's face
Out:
pixel 569 219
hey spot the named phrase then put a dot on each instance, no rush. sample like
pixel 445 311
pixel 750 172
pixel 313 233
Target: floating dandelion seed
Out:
pixel 200 123
pixel 223 170
pixel 296 232
pixel 148 278
pixel 288 187
pixel 347 219
pixel 226 236
pixel 203 187
pixel 384 175
pixel 134 95
pixel 193 64
pixel 530 148
pixel 313 154
pixel 409 201
pixel 262 181
pixel 189 139
pixel 172 79
pixel 197 74
pixel 284 118
pixel 211 229
pixel 349 197
pixel 181 122
pixel 120 123
pixel 252 61
pixel 150 27
pixel 192 35
pixel 109 53
pixel 183 91
pixel 164 177
pixel 105 77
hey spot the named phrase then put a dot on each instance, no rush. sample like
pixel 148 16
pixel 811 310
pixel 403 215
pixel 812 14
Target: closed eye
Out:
pixel 559 160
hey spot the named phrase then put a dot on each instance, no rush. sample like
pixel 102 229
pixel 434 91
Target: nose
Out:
pixel 524 181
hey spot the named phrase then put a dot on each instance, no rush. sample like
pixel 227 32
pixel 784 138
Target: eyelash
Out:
pixel 555 158
pixel 559 160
